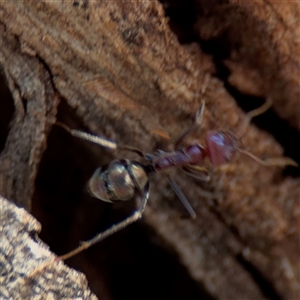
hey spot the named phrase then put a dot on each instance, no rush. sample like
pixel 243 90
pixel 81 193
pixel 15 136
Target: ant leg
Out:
pixel 132 149
pixel 251 114
pixel 198 120
pixel 106 143
pixel 197 172
pixel 101 236
pixel 199 114
pixel 89 137
pixel 113 229
pixel 182 197
pixel 271 162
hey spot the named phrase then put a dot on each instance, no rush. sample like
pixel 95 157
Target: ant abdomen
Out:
pixel 119 180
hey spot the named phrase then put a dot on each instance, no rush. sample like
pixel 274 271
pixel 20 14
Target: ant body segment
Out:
pixel 122 180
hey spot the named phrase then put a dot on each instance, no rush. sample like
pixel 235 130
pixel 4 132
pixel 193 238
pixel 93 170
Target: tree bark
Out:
pixel 117 69
pixel 22 255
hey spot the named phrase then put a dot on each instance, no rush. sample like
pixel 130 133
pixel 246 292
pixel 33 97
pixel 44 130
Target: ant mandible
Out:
pixel 123 179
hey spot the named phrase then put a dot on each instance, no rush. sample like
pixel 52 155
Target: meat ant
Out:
pixel 123 179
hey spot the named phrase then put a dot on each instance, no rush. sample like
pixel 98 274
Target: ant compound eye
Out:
pixel 221 146
pixel 120 182
pixel 97 186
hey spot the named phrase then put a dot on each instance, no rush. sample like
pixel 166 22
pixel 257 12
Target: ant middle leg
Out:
pixel 181 197
pixel 197 172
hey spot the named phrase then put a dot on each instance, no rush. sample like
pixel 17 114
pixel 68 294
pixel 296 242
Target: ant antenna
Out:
pixel 251 114
pixel 271 162
pixel 275 162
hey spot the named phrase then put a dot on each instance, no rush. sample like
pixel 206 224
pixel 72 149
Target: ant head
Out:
pixel 221 146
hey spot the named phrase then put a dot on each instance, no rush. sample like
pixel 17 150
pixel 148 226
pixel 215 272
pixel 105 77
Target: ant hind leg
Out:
pixel 113 229
pixel 137 214
pixel 106 143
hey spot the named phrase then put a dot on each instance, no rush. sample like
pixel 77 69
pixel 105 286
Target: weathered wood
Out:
pixel 20 255
pixel 116 69
pixel 262 48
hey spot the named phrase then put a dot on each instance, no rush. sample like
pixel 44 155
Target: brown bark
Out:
pixel 21 255
pixel 116 69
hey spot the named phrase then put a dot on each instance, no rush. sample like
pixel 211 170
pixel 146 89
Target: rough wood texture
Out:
pixel 20 255
pixel 263 50
pixel 115 68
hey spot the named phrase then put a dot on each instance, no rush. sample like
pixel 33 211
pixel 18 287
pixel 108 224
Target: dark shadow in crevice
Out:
pixel 6 110
pixel 183 16
pixel 139 264
pixel 265 285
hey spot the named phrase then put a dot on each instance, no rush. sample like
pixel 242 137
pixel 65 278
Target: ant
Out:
pixel 123 179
